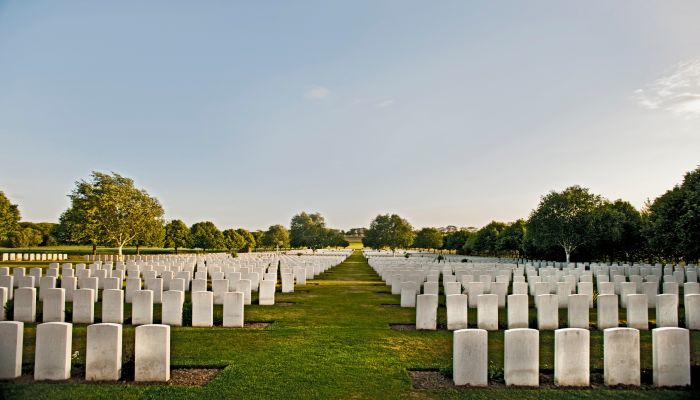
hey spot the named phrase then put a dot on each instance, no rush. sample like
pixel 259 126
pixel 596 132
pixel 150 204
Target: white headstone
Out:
pixel 52 354
pixel 103 352
pixel 470 357
pixel 152 353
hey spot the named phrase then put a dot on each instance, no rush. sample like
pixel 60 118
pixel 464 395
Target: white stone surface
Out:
pixel 103 352
pixel 12 334
pixel 408 294
pixel 457 311
pixel 233 310
pixel 522 357
pixel 637 312
pixel 692 311
pixel 487 312
pixel 548 312
pixel 578 311
pixel 203 309
pixel 142 308
pixel 671 356
pixel 426 311
pixel 470 357
pixel 608 313
pixel 667 311
pixel 113 306
pixel 52 353
pixel 518 311
pixel 571 357
pixel 267 293
pixel 25 305
pixel 54 305
pixel 172 307
pixel 621 357
pixel 83 306
pixel 152 353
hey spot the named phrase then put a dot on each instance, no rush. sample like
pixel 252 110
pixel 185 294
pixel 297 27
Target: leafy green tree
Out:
pixel 674 221
pixel 486 239
pixel 109 209
pixel 154 236
pixel 258 237
pixel 335 238
pixel 205 235
pixel 428 238
pixel 233 241
pixel 250 242
pixel 25 237
pixel 9 217
pixel 564 219
pixel 456 240
pixel 390 231
pixel 276 236
pixel 618 232
pixel 308 230
pixel 176 234
pixel 511 238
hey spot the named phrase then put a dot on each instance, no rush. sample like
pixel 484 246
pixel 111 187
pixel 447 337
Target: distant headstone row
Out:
pixel 487 287
pixel 621 352
pixel 34 256
pixel 103 357
pixel 212 279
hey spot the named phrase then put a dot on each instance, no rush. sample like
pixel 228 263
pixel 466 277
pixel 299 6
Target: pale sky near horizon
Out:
pixel 447 113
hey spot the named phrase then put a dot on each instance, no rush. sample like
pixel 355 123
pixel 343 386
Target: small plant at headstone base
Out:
pixel 495 373
pixel 407 255
pixel 234 254
pixel 300 254
pixel 10 310
pixel 440 258
pixel 464 260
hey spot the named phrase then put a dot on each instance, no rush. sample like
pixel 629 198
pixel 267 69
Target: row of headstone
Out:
pixel 34 256
pixel 621 352
pixel 548 311
pixel 103 357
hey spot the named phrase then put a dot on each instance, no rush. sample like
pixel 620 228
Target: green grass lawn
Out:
pixel 334 342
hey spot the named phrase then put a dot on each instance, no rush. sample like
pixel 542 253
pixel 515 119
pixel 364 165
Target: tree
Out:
pixel 618 232
pixel 335 238
pixel 390 231
pixel 154 236
pixel 486 239
pixel 456 240
pixel 25 237
pixel 233 241
pixel 564 219
pixel 674 221
pixel 176 234
pixel 511 238
pixel 308 230
pixel 9 217
pixel 428 238
pixel 205 235
pixel 249 239
pixel 276 236
pixel 109 209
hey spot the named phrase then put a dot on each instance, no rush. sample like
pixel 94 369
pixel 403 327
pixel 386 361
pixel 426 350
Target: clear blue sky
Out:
pixel 449 112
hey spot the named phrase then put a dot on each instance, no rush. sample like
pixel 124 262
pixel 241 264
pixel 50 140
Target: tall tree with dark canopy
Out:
pixel 233 241
pixel 205 235
pixel 9 217
pixel 308 230
pixel 564 219
pixel 390 231
pixel 428 238
pixel 109 209
pixel 276 236
pixel 250 242
pixel 176 234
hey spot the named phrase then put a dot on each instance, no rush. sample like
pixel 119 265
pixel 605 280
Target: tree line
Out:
pixel 109 210
pixel 573 224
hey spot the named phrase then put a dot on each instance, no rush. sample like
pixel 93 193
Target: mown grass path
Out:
pixel 334 342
